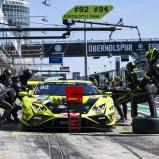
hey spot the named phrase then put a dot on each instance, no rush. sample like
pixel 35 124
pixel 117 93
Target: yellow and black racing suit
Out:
pixel 121 96
pixel 151 75
pixel 141 93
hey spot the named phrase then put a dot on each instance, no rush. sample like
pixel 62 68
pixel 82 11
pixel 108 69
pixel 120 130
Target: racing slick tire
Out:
pixel 145 125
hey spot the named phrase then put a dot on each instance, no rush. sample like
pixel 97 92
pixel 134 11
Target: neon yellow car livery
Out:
pixel 46 105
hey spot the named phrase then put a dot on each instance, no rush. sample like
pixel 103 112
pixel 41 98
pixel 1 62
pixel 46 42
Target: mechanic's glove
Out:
pixel 136 91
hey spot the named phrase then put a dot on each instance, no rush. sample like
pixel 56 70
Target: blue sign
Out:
pixel 56 59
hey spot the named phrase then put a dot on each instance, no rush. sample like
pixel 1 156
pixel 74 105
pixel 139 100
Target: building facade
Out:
pixel 16 12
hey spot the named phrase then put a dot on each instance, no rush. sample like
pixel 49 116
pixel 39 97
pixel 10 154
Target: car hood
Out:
pixel 62 99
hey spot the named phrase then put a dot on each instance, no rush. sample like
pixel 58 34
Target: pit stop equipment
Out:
pixel 74 97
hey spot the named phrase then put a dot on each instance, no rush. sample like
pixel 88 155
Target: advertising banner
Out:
pixel 73 49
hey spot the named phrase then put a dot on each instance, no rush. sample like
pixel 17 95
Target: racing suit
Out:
pixel 139 95
pixel 106 84
pixel 151 75
pixel 5 97
pixel 5 80
pixel 10 97
pixel 94 81
pixel 121 96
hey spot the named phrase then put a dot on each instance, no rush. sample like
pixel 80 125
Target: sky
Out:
pixel 141 13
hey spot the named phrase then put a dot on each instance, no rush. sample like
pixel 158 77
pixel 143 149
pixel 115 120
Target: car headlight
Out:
pixel 38 108
pixel 99 109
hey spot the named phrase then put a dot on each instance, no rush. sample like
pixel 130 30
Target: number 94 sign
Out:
pixel 87 12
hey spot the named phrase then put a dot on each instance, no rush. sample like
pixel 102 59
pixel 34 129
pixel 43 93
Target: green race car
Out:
pixel 46 105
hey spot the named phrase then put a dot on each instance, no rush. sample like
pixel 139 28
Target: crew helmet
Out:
pixel 130 66
pixel 27 73
pixel 117 79
pixel 7 72
pixel 152 55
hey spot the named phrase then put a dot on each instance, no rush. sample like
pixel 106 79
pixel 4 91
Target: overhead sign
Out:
pixel 99 48
pixel 56 59
pixel 77 49
pixel 87 12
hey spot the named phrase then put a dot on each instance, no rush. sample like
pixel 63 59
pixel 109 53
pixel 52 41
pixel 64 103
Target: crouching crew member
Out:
pixel 121 97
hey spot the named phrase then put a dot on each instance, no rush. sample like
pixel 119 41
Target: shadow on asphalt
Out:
pixel 122 124
pixel 10 126
pixel 123 134
pixel 115 135
pixel 91 131
pixel 17 126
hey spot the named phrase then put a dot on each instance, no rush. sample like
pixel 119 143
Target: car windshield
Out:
pixel 59 89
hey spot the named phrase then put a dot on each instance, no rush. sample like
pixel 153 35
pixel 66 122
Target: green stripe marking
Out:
pixel 143 108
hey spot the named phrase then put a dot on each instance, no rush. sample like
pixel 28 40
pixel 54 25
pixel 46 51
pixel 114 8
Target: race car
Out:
pixel 46 105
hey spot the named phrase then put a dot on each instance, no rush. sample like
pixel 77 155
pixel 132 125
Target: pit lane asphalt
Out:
pixel 119 144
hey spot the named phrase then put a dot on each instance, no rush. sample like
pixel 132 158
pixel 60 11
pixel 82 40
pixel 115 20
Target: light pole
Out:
pixel 41 59
pixel 86 53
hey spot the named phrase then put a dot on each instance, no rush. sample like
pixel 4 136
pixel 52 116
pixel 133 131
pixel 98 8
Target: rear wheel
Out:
pixel 145 125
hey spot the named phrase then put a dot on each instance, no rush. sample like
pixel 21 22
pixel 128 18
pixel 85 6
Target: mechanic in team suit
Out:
pixel 19 84
pixel 138 95
pixel 7 101
pixel 5 77
pixel 24 77
pixel 152 74
pixel 94 80
pixel 106 85
pixel 121 97
pixel 106 81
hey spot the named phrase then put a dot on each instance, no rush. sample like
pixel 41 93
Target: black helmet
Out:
pixel 27 73
pixel 152 55
pixel 130 66
pixel 7 72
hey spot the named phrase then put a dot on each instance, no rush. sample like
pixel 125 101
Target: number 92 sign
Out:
pixel 87 12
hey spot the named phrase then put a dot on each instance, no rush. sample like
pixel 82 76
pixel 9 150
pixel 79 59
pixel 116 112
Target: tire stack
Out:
pixel 145 125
